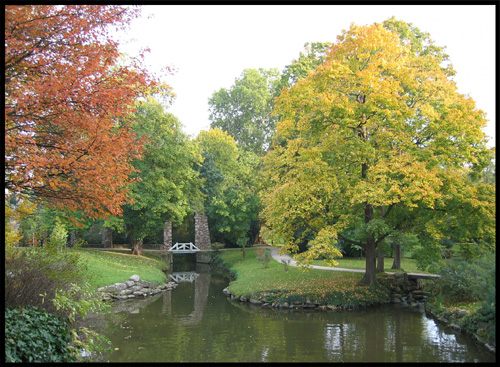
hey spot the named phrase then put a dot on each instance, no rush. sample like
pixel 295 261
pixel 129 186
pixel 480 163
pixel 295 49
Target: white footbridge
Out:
pixel 184 248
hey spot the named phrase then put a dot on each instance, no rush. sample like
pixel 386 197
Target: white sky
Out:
pixel 211 45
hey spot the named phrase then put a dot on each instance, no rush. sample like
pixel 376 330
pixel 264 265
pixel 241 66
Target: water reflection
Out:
pixel 196 323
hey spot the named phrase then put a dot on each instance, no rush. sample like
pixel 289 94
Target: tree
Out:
pixel 16 210
pixel 230 182
pixel 65 95
pixel 377 126
pixel 57 239
pixel 313 55
pixel 244 110
pixel 166 183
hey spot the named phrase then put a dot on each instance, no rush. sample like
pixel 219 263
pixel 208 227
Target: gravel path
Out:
pixel 278 257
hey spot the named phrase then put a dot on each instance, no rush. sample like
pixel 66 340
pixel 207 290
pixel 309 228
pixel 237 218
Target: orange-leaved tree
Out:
pixel 65 95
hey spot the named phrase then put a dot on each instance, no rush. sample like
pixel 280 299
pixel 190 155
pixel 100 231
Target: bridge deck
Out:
pixel 423 276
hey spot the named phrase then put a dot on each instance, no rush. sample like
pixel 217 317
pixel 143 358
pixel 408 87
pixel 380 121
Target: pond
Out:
pixel 197 323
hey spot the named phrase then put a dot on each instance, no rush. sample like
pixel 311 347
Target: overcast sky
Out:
pixel 210 45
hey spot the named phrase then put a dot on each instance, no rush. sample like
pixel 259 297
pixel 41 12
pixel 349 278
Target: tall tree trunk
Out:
pixel 370 245
pixel 380 260
pixel 396 264
pixel 107 237
pixel 136 246
pixel 369 277
pixel 370 252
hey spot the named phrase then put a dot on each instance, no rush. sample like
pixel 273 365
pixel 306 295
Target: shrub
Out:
pixel 467 280
pixel 76 302
pixel 33 335
pixel 483 321
pixel 33 275
pixel 53 281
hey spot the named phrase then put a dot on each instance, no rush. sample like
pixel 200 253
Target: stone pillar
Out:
pixel 167 235
pixel 107 237
pixel 201 233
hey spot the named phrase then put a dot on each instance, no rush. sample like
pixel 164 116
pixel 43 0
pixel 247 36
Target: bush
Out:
pixel 33 335
pixel 463 281
pixel 33 275
pixel 483 322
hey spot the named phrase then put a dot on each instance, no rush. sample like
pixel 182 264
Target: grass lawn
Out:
pixel 106 267
pixel 335 288
pixel 407 264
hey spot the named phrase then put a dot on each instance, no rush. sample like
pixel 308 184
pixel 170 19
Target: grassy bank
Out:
pixel 407 264
pixel 324 287
pixel 106 267
pixel 469 317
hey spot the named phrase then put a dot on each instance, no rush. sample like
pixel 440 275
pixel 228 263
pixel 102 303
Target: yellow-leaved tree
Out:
pixel 379 125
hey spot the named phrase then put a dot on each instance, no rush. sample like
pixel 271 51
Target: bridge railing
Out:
pixel 184 247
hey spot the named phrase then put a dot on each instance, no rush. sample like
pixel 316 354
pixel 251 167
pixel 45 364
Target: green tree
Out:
pixel 244 110
pixel 167 182
pixel 377 126
pixel 58 237
pixel 310 58
pixel 230 182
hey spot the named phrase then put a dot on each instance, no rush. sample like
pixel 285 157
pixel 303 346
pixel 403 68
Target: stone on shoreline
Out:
pixel 135 278
pixel 255 301
pixel 132 289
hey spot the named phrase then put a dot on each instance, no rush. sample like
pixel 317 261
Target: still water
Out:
pixel 196 323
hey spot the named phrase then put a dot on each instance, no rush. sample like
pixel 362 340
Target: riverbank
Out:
pixel 103 268
pixel 467 318
pixel 273 286
pixel 280 285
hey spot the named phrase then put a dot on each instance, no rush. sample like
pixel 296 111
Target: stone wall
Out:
pixel 201 232
pixel 404 290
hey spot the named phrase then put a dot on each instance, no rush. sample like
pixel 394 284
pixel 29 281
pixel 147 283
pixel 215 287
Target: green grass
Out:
pixel 106 267
pixel 335 288
pixel 407 264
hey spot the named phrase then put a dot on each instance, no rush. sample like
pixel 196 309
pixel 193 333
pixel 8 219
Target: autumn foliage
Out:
pixel 66 96
pixel 376 131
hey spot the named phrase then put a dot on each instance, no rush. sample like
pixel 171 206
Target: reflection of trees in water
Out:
pixel 443 342
pixel 391 335
pixel 221 330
